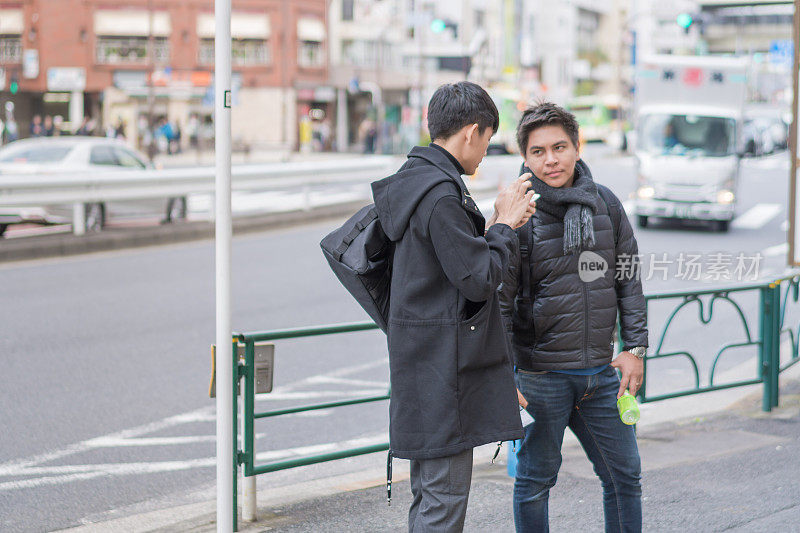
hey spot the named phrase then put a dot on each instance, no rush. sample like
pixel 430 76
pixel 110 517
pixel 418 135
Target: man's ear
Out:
pixel 471 132
pixel 578 148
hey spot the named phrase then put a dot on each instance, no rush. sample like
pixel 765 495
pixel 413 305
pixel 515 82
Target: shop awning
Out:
pixel 131 23
pixel 310 29
pixel 243 26
pixel 11 22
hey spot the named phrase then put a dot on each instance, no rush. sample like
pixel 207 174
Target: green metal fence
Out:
pixel 774 298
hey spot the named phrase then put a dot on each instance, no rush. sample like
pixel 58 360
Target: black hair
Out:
pixel 545 114
pixel 455 105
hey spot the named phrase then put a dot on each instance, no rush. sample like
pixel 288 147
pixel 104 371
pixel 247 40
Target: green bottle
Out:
pixel 628 409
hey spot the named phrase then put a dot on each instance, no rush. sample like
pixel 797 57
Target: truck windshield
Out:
pixel 689 135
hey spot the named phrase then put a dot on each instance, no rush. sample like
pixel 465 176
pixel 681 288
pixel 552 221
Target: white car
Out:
pixel 46 155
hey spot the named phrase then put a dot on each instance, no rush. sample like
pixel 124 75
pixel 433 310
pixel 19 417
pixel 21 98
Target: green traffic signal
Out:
pixel 684 20
pixel 438 25
pixel 13 87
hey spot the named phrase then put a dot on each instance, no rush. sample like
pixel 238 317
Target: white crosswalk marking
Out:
pixel 757 216
pixel 778 249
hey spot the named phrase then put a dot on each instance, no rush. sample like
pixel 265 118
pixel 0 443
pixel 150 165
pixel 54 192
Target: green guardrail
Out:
pixel 774 297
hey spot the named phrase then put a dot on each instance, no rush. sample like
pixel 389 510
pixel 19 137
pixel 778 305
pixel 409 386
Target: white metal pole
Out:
pixel 224 367
pixel 249 502
pixel 78 218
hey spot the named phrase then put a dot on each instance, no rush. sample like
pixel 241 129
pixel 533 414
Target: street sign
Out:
pixel 30 63
pixel 66 79
pixel 781 51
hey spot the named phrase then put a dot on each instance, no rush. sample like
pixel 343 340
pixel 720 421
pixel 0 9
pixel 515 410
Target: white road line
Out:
pixel 309 395
pixel 59 475
pixel 757 216
pixel 62 474
pixel 778 249
pixel 345 381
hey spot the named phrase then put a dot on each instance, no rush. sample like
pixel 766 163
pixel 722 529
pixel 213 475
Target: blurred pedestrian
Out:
pixel 119 130
pixel 11 129
pixel 58 125
pixel 193 129
pixel 37 129
pixel 368 133
pixel 48 126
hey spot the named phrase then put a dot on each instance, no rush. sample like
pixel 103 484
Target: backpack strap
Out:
pixel 370 216
pixel 614 211
pixel 525 255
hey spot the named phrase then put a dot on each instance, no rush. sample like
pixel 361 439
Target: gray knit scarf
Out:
pixel 574 205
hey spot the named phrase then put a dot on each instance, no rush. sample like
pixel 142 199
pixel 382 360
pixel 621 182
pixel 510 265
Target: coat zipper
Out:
pixel 585 325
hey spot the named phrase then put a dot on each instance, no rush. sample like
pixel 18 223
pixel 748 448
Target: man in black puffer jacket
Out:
pixel 560 298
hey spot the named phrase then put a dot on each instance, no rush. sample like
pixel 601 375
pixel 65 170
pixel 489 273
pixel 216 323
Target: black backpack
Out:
pixel 360 254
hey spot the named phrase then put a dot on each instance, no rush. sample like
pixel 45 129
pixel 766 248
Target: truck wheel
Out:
pixel 95 217
pixel 3 228
pixel 721 225
pixel 642 221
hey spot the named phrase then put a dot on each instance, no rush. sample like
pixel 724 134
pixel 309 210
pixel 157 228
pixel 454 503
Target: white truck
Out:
pixel 689 119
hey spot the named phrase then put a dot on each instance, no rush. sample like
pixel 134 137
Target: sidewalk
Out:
pixel 733 470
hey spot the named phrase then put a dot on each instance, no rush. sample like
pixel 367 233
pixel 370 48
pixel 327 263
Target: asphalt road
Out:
pixel 106 357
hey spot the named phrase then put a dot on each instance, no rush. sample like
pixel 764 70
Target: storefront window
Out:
pixel 244 52
pixel 131 50
pixel 10 49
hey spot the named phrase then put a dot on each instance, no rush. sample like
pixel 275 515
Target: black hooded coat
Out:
pixel 449 356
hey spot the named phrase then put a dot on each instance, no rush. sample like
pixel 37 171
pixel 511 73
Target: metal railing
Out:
pixel 81 188
pixel 772 316
pixel 774 298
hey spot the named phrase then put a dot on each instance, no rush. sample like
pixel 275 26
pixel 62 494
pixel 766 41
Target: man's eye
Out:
pixel 560 148
pixel 537 152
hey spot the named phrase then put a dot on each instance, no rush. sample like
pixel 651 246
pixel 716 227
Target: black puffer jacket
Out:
pixel 449 355
pixel 567 323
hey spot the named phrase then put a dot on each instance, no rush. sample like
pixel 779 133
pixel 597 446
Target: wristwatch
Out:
pixel 638 351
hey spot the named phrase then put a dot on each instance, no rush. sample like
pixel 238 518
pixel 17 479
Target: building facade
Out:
pixel 127 61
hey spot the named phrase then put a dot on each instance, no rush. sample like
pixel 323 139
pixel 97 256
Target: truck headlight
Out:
pixel 725 197
pixel 646 192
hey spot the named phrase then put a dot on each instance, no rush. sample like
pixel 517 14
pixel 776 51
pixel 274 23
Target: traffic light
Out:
pixel 13 86
pixel 438 25
pixel 685 21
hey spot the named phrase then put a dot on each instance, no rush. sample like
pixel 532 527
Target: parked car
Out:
pixel 51 155
pixel 766 130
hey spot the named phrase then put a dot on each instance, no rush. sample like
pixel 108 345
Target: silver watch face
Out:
pixel 639 351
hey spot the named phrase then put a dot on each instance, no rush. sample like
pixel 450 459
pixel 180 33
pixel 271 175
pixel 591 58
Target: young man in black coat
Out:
pixel 449 357
pixel 560 299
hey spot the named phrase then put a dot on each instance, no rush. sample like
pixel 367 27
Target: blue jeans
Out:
pixel 587 404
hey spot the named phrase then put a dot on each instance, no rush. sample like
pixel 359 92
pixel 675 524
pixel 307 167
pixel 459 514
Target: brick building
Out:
pixel 77 58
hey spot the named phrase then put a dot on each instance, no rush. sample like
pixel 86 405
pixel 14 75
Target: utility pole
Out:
pixel 226 460
pixel 793 260
pixel 151 60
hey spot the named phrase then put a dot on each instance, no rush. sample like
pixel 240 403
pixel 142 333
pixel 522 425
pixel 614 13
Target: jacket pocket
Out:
pixel 482 339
